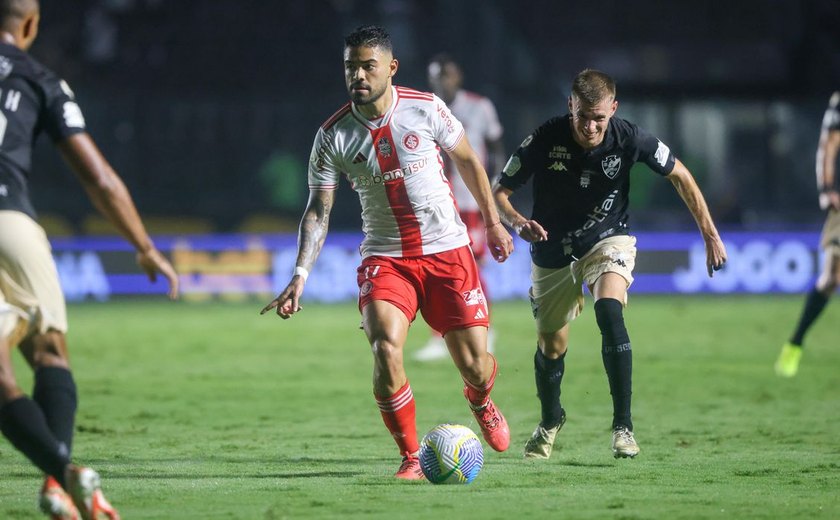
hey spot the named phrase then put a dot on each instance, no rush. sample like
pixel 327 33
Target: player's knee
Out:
pixel 609 313
pixel 47 349
pixel 385 349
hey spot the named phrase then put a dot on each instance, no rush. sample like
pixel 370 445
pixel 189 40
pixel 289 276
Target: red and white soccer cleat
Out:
pixel 84 486
pixel 55 502
pixel 410 469
pixel 493 425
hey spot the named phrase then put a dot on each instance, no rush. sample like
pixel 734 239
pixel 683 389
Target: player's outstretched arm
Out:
pixel 111 197
pixel 472 172
pixel 826 170
pixel 685 185
pixel 529 230
pixel 311 235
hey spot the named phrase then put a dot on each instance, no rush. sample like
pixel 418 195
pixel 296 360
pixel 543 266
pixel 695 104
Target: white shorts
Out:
pixel 29 285
pixel 557 294
pixel 830 240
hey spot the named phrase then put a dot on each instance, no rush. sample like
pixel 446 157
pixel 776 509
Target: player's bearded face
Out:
pixel 590 122
pixel 367 72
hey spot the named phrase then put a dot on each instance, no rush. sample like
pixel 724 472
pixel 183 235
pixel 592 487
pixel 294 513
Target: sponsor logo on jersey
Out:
pixel 611 165
pixel 584 180
pixel 512 166
pixel 662 153
pixel 319 155
pixel 559 152
pixel 474 296
pixel 598 214
pixel 66 89
pixel 73 117
pixel 6 67
pixel 446 117
pixel 479 315
pixel 411 141
pixel 360 158
pixel 558 166
pixel 527 141
pixel 383 146
pixel 391 175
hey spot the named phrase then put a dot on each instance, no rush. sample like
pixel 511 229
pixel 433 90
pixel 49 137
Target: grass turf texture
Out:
pixel 211 411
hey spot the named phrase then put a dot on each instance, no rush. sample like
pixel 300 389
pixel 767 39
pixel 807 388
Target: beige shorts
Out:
pixel 29 285
pixel 557 294
pixel 830 240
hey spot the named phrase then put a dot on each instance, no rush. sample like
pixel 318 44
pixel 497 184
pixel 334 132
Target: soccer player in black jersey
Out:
pixel 580 165
pixel 32 308
pixel 787 365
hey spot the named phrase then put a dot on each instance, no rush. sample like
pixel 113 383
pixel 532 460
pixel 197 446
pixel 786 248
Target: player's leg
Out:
pixel 386 327
pixel 787 364
pixel 478 368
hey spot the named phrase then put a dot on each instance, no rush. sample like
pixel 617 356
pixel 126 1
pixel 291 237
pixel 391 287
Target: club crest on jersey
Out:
pixel 383 146
pixel 611 164
pixel 411 141
pixel 474 296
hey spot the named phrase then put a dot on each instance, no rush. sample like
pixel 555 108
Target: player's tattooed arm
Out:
pixel 313 232
pixel 690 193
pixel 314 226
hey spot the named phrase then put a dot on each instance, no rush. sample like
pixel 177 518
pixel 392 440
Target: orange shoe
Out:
pixel 493 425
pixel 84 487
pixel 55 502
pixel 410 469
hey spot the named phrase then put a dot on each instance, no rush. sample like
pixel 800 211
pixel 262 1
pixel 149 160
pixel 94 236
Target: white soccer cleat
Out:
pixel 623 443
pixel 85 488
pixel 541 443
pixel 433 350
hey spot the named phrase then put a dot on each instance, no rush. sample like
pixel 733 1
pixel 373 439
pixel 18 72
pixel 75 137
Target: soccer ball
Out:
pixel 451 454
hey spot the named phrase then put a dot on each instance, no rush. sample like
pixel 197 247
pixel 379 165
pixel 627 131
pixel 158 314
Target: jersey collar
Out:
pixel 379 122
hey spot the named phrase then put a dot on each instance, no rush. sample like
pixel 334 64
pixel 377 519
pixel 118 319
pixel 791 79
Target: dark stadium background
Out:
pixel 208 109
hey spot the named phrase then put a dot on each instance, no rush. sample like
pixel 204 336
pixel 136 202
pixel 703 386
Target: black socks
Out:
pixel 617 357
pixel 814 305
pixel 55 393
pixel 548 374
pixel 24 424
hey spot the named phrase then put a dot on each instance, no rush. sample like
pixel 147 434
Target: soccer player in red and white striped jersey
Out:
pixel 415 254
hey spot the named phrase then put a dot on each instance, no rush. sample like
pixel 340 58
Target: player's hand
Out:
pixel 499 242
pixel 288 302
pixel 830 200
pixel 153 262
pixel 531 231
pixel 715 255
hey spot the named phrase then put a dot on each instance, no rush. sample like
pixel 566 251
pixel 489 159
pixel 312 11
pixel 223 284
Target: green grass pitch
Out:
pixel 212 411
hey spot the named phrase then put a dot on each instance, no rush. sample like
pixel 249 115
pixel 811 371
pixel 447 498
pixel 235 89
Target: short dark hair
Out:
pixel 443 59
pixel 16 9
pixel 592 86
pixel 369 36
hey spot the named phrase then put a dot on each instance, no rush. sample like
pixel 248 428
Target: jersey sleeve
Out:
pixel 324 171
pixel 446 128
pixel 61 116
pixel 654 152
pixel 831 120
pixel 492 126
pixel 521 164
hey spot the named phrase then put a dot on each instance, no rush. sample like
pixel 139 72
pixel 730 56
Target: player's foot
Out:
pixel 84 486
pixel 541 443
pixel 788 363
pixel 493 425
pixel 433 350
pixel 55 502
pixel 623 443
pixel 410 469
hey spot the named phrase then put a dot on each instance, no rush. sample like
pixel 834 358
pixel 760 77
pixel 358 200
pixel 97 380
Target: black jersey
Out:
pixel 32 100
pixel 580 197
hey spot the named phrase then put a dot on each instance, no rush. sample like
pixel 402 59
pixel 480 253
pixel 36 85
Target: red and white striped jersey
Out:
pixel 481 124
pixel 394 164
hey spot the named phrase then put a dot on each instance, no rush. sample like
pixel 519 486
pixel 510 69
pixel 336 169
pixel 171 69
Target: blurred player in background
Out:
pixel 415 254
pixel 32 309
pixel 580 164
pixel 788 362
pixel 481 123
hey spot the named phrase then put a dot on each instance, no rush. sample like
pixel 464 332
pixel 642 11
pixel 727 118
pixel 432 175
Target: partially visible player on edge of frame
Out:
pixel 32 309
pixel 415 254
pixel 787 365
pixel 580 164
pixel 484 131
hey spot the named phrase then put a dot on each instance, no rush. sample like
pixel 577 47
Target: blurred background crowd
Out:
pixel 208 108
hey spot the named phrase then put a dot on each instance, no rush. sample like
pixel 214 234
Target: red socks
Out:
pixel 398 413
